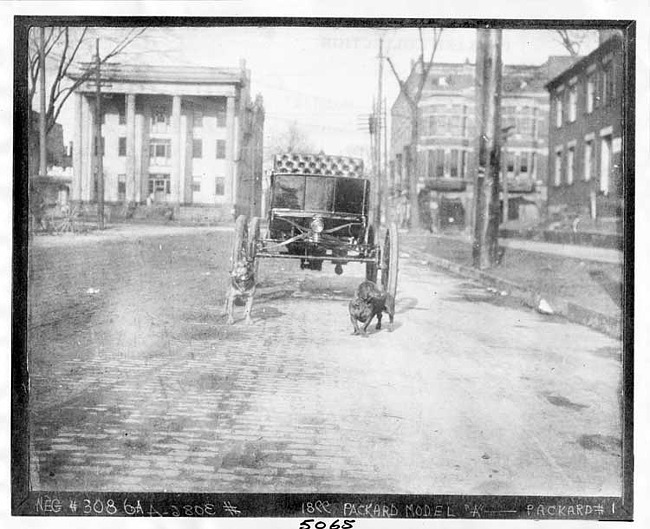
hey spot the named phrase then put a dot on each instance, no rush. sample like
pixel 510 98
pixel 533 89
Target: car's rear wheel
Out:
pixel 390 262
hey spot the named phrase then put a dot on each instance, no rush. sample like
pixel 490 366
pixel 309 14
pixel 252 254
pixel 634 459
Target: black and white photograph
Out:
pixel 326 269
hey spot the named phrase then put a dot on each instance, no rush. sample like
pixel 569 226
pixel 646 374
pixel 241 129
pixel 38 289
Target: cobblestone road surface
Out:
pixel 138 384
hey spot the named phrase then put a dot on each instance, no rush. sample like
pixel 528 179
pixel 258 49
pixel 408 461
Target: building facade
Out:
pixel 175 135
pixel 448 131
pixel 585 135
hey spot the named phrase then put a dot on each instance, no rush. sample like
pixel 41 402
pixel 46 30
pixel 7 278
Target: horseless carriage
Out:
pixel 318 212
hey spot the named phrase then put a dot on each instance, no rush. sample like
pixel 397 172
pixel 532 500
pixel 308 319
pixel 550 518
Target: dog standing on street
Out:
pixel 242 288
pixel 370 301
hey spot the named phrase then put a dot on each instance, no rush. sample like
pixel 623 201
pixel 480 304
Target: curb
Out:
pixel 609 325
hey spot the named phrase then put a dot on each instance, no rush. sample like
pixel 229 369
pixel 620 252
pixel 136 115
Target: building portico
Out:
pixel 169 136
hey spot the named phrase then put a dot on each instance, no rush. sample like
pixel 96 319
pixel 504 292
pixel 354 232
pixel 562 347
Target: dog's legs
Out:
pixel 390 310
pixel 249 307
pixel 378 326
pixel 354 324
pixel 368 323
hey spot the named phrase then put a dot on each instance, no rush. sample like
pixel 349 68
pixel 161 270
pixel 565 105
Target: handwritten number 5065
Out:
pixel 306 524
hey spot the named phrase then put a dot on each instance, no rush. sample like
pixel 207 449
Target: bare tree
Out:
pixel 63 46
pixel 571 40
pixel 291 139
pixel 412 93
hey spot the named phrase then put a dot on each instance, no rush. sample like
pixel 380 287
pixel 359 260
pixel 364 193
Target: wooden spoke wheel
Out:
pixel 371 268
pixel 390 262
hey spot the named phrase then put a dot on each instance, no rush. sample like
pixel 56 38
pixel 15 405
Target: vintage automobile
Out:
pixel 318 212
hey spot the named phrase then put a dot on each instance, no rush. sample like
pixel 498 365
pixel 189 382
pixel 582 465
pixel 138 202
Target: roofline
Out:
pixel 606 46
pixel 137 73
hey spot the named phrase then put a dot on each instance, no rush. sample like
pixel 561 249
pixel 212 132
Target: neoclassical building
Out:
pixel 178 135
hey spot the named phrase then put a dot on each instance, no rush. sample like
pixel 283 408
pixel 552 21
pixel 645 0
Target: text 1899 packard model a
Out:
pixel 318 212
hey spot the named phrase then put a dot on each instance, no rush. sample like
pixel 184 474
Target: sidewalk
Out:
pixel 578 283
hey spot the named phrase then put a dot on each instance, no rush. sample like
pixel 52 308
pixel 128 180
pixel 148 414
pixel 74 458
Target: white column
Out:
pixel 130 148
pixel 77 151
pixel 231 176
pixel 87 169
pixel 176 149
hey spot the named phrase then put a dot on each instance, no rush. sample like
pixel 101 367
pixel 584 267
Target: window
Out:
pixel 221 149
pixel 589 159
pixel 558 110
pixel 220 186
pixel 455 125
pixel 431 163
pixel 121 148
pixel 159 152
pixel 607 84
pixel 524 125
pixel 523 163
pixel 454 163
pixel 573 103
pixel 103 143
pixel 464 163
pixel 160 119
pixel 591 92
pixel 510 163
pixel 440 163
pixel 197 119
pixel 160 115
pixel 221 114
pixel 533 165
pixel 431 130
pixel 159 185
pixel 122 116
pixel 508 116
pixel 570 164
pixel 196 184
pixel 197 148
pixel 121 187
pixel 558 168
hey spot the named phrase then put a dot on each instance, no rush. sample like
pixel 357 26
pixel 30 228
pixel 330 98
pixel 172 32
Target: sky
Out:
pixel 324 80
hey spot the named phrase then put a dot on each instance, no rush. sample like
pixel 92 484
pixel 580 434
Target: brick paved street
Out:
pixel 138 384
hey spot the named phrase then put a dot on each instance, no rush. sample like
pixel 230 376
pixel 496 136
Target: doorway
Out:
pixel 605 163
pixel 159 187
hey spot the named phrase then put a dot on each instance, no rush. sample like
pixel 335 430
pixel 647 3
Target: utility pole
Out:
pixel 373 125
pixel 386 172
pixel 378 114
pixel 99 154
pixel 42 134
pixel 488 105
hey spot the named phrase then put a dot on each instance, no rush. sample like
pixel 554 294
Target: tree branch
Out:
pixel 570 44
pixel 402 85
pixel 59 95
pixel 437 33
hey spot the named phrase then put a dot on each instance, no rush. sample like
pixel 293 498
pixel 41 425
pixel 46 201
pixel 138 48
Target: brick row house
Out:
pixel 183 136
pixel 448 137
pixel 585 135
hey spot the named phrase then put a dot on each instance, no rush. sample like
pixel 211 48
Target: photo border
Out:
pixel 27 502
